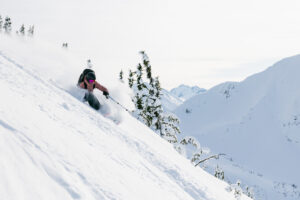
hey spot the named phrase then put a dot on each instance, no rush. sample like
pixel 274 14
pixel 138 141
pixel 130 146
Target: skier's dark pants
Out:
pixel 92 99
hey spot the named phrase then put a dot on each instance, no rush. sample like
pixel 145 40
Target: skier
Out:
pixel 87 80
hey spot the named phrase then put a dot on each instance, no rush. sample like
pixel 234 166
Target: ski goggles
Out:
pixel 91 81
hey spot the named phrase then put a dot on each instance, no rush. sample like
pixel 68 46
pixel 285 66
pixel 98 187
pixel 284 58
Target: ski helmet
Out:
pixel 90 76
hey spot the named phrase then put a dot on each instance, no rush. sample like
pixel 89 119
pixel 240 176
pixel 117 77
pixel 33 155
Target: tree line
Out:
pixel 6 26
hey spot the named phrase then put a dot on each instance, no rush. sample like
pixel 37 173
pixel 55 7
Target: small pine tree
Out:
pixel 219 173
pixel 196 156
pixel 190 140
pixel 89 64
pixel 22 30
pixel 65 45
pixel 148 67
pixel 170 128
pixel 237 189
pixel 139 75
pixel 249 192
pixel 7 25
pixel 31 30
pixel 131 79
pixel 121 76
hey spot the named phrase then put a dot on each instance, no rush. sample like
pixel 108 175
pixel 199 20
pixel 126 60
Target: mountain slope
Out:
pixel 53 146
pixel 256 122
pixel 169 101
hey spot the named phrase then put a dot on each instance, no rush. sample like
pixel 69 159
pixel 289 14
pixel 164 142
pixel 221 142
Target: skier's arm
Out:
pixel 81 85
pixel 86 85
pixel 100 87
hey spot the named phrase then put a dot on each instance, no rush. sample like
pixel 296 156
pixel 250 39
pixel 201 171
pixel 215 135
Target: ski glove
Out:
pixel 106 94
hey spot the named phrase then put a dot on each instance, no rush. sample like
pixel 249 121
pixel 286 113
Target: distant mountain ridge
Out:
pixel 185 92
pixel 175 97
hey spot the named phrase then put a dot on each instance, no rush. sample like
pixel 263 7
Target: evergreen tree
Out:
pixel 249 192
pixel 22 30
pixel 237 189
pixel 89 64
pixel 147 100
pixel 140 100
pixel 131 79
pixel 152 107
pixel 65 45
pixel 195 153
pixel 170 128
pixel 121 76
pixel 148 67
pixel 31 30
pixel 7 25
pixel 219 173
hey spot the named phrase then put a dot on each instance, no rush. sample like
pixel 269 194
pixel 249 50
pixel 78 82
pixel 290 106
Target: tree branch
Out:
pixel 214 156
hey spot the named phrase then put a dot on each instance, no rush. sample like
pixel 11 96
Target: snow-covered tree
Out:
pixel 7 25
pixel 131 79
pixel 219 173
pixel 237 189
pixel 65 45
pixel 140 87
pixel 147 100
pixel 140 99
pixel 167 125
pixel 22 30
pixel 31 30
pixel 121 76
pixel 249 192
pixel 155 105
pixel 89 64
pixel 192 145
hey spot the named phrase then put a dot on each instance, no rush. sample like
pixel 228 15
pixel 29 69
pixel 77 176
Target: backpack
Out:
pixel 82 75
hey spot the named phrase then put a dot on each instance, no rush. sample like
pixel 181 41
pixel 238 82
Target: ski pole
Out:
pixel 119 104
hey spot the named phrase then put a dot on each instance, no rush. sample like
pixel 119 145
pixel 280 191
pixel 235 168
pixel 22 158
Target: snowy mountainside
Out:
pixel 185 92
pixel 256 123
pixel 53 146
pixel 170 101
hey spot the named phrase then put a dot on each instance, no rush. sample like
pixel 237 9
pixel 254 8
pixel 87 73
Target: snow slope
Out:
pixel 169 101
pixel 52 146
pixel 256 123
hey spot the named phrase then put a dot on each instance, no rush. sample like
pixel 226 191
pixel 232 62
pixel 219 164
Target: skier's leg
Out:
pixel 93 101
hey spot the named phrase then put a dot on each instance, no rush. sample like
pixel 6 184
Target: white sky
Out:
pixel 194 42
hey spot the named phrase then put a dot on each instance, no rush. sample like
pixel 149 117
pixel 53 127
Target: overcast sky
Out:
pixel 194 42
